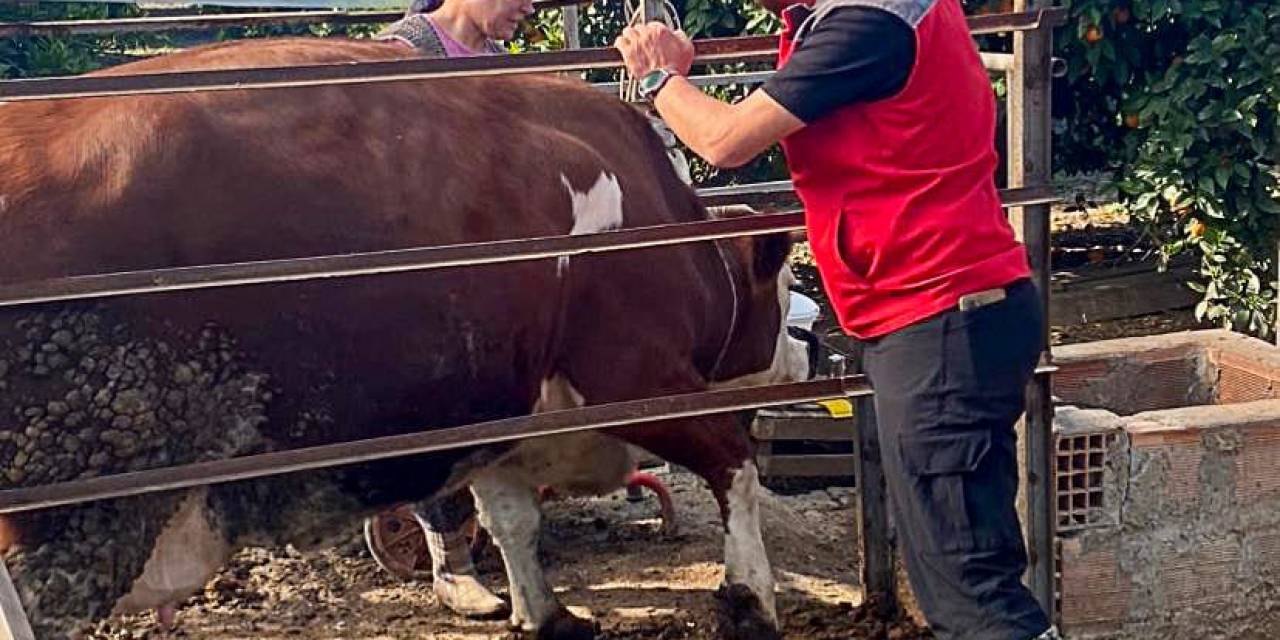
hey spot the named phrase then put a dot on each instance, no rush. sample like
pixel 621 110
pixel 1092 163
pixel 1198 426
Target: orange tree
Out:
pixel 1180 99
pixel 1193 91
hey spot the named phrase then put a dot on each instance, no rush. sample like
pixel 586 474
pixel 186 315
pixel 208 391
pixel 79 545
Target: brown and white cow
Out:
pixel 101 387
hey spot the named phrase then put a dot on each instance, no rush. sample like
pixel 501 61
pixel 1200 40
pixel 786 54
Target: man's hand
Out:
pixel 655 46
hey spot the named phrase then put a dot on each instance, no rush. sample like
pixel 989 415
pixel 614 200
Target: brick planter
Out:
pixel 1168 479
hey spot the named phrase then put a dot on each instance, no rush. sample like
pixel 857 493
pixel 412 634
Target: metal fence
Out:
pixel 1028 69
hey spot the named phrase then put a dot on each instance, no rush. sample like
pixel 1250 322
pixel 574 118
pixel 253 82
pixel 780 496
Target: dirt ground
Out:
pixel 605 557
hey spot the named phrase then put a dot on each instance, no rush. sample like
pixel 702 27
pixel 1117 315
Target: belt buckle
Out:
pixel 981 299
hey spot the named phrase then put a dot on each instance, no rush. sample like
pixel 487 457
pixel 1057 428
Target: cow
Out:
pixel 132 382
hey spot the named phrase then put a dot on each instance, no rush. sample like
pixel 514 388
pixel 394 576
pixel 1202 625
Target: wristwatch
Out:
pixel 653 82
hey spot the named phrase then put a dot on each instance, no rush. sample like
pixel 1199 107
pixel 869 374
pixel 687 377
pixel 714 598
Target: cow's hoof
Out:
pixel 741 616
pixel 563 625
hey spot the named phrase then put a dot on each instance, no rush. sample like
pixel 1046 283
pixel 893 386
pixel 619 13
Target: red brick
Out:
pixel 1094 590
pixel 1258 465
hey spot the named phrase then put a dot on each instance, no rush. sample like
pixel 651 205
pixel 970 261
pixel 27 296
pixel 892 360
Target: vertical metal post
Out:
pixel 569 21
pixel 1030 159
pixel 879 568
pixel 13 620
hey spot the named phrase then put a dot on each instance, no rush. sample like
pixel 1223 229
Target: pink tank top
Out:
pixel 453 48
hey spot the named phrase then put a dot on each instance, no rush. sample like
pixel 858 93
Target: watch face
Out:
pixel 652 80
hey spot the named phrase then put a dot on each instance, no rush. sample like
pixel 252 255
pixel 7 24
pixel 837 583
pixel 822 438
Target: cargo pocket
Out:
pixel 944 480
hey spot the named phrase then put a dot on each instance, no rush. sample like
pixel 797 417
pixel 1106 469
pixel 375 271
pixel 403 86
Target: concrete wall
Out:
pixel 1186 540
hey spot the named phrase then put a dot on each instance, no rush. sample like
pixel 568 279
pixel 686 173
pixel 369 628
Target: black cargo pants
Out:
pixel 948 392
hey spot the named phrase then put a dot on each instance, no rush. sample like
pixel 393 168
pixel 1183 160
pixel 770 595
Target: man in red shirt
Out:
pixel 886 116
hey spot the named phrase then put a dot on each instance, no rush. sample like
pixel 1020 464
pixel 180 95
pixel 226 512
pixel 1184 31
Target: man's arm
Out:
pixel 854 54
pixel 725 135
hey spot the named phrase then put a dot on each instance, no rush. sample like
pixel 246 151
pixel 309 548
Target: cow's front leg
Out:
pixel 747 596
pixel 718 449
pixel 509 509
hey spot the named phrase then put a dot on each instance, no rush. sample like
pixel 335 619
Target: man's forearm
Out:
pixel 703 123
pixel 726 135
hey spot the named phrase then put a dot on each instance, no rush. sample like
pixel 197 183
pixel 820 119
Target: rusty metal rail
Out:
pixel 543 424
pixel 741 49
pixel 745 49
pixel 996 23
pixel 415 259
pixel 602 416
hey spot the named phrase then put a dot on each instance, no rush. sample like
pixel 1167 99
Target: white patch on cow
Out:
pixel 585 463
pixel 508 509
pixel 745 559
pixel 599 209
pixel 557 393
pixel 189 550
pixel 790 356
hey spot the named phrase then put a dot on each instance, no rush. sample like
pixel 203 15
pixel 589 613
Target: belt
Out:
pixel 979 299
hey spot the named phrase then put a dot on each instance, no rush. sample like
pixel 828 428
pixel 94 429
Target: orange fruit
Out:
pixel 1196 229
pixel 1132 121
pixel 1093 34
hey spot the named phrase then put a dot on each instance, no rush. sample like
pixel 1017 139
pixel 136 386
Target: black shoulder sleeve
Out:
pixel 853 54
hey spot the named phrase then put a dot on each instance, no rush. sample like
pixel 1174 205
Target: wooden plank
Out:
pixel 824 465
pixel 1124 296
pixel 803 428
pixel 13 619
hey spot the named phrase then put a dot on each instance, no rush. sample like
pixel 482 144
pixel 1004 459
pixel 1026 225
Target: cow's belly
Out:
pixel 584 464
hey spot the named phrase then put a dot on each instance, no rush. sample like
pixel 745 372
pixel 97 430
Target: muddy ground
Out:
pixel 605 556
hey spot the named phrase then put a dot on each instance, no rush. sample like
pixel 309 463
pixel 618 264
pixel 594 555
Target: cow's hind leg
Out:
pixel 509 510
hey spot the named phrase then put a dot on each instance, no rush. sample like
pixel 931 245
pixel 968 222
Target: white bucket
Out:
pixel 804 311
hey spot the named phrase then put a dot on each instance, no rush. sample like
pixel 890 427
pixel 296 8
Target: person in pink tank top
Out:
pixel 458 28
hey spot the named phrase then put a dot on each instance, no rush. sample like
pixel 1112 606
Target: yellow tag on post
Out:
pixel 839 408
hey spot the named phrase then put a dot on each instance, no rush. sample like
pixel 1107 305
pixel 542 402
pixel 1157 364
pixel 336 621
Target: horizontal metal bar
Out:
pixel 497 431
pixel 420 258
pixel 782 190
pixel 589 418
pixel 392 261
pixel 1004 62
pixel 751 77
pixel 169 24
pixel 983 24
pixel 1023 21
pixel 708 51
pixel 192 23
pixel 743 49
